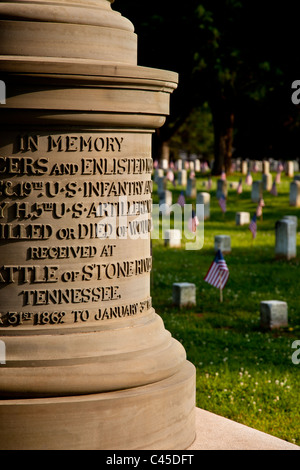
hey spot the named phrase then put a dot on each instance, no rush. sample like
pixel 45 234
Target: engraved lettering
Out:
pixel 74 143
pixel 64 169
pixel 23 166
pixel 117 312
pixel 26 274
pixel 67 296
pixel 29 143
pixel 113 166
pixel 62 252
pixel 3 206
pixel 52 143
pixel 25 232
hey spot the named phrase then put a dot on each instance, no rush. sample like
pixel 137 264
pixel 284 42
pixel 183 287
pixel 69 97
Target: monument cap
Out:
pixel 81 29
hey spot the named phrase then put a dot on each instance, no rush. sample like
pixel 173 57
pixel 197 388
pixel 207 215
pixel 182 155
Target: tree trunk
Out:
pixel 223 120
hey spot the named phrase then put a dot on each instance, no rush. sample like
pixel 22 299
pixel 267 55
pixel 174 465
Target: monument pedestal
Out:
pixel 157 416
pixel 88 362
pixel 214 432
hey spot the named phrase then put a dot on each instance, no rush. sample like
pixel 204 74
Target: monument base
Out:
pixel 159 416
pixel 214 432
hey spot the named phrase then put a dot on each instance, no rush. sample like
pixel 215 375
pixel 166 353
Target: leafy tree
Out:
pixel 195 135
pixel 238 56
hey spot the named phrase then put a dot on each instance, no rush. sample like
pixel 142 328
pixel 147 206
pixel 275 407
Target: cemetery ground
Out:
pixel 244 373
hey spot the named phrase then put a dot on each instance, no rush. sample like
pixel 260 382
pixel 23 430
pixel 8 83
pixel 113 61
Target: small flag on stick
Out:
pixel 170 175
pixel 181 199
pixel 253 226
pixel 240 187
pixel 218 273
pixel 280 167
pixel 259 210
pixel 222 203
pixel 278 177
pixel 223 175
pixel 248 179
pixel 274 189
pixel 193 222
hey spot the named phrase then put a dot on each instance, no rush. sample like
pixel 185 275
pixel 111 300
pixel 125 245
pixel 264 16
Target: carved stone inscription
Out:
pixel 75 221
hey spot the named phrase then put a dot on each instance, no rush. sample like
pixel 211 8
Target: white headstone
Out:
pixel 242 218
pixel 257 191
pixel 221 188
pixel 191 188
pixel 197 165
pixel 158 173
pixel 273 165
pixel 161 184
pixel 173 238
pixel 267 181
pixel 165 201
pixel 164 164
pixel 204 198
pixel 182 177
pixel 273 314
pixel 265 167
pixel 285 239
pixel 295 193
pixel 184 294
pixel 179 164
pixel 223 243
pixel 254 166
pixel 294 218
pixel 289 168
pixel 244 167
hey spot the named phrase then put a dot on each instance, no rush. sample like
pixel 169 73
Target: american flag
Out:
pixel 223 175
pixel 274 189
pixel 253 226
pixel 204 167
pixel 240 187
pixel 278 177
pixel 280 167
pixel 248 179
pixel 259 210
pixel 218 273
pixel 193 222
pixel 170 175
pixel 181 199
pixel 222 203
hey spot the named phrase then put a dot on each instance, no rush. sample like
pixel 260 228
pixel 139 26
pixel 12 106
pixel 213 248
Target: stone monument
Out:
pixel 89 363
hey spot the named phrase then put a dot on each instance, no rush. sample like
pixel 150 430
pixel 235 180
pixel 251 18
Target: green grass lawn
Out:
pixel 243 373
